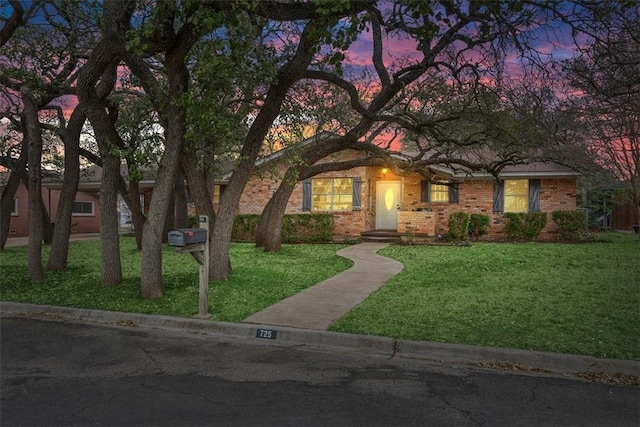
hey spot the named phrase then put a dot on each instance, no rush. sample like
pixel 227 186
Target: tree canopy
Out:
pixel 187 85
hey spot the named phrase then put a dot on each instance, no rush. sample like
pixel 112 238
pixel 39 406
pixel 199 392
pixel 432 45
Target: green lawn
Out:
pixel 259 279
pixel 573 298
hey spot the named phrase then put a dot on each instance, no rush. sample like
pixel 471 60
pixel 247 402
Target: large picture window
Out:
pixel 332 194
pixel 82 208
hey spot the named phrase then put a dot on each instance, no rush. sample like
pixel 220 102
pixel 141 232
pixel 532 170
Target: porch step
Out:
pixel 387 236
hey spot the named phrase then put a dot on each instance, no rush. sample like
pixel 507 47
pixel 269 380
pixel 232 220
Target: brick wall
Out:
pixel 476 196
pixel 346 223
pixel 418 222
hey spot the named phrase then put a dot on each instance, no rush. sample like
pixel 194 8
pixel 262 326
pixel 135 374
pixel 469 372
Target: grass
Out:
pixel 570 298
pixel 259 279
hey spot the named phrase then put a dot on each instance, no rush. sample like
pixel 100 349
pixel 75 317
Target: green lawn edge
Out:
pixel 567 298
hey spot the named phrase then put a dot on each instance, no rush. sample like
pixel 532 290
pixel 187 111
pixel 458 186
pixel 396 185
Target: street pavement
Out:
pixel 62 372
pixel 281 367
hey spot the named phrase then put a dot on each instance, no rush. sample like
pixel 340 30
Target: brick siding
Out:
pixel 475 196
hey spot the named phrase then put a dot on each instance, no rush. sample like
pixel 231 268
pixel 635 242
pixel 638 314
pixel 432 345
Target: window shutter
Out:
pixel 424 190
pixel 306 195
pixel 357 194
pixel 498 196
pixel 534 195
pixel 454 193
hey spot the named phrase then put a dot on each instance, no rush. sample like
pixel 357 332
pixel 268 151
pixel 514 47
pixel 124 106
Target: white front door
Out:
pixel 387 205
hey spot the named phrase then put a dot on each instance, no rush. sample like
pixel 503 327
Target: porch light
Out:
pixel 384 171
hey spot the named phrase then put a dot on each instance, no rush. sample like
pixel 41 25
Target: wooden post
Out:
pixel 203 282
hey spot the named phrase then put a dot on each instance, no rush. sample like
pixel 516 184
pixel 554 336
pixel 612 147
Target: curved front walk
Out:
pixel 319 306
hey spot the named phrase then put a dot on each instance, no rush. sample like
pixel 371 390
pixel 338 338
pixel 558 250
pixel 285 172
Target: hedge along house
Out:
pixel 371 198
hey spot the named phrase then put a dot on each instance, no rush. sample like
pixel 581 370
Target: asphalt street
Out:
pixel 61 373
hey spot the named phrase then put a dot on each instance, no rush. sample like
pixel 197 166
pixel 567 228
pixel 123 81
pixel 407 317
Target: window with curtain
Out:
pixel 439 193
pixel 516 195
pixel 332 194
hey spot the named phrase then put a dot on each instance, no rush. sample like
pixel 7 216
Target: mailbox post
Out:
pixel 195 241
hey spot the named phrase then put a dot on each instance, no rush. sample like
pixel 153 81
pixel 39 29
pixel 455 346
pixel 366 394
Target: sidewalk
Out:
pixel 319 306
pixel 24 241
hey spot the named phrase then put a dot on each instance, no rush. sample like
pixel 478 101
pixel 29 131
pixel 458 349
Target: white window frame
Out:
pixel 93 208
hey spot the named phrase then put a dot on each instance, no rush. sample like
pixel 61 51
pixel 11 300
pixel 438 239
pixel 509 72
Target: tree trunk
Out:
pixel 181 213
pixel 61 232
pixel 96 80
pixel 169 219
pixel 151 270
pixel 6 206
pixel 137 215
pixel 34 140
pixel 106 137
pixel 47 228
pixel 287 75
pixel 8 193
pixel 269 233
pixel 201 193
pixel 109 227
pixel 220 263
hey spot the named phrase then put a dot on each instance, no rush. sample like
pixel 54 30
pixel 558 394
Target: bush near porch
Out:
pixel 296 228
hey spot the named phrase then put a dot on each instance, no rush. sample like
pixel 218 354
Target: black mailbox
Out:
pixel 187 236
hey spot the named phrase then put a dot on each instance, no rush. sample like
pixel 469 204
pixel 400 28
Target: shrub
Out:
pixel 307 228
pixel 459 225
pixel 296 228
pixel 572 225
pixel 244 227
pixel 478 225
pixel 525 226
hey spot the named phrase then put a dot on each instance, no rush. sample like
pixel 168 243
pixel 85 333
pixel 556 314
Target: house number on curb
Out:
pixel 266 334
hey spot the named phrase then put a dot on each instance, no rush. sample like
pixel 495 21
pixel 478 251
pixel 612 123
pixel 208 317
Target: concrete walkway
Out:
pixel 24 241
pixel 319 306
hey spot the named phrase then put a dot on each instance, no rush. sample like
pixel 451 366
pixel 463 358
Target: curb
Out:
pixel 492 357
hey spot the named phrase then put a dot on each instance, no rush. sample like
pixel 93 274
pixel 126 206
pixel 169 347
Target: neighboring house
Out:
pixel 85 217
pixel 373 198
pixel 86 206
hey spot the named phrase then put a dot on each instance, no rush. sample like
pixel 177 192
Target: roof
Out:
pixel 90 178
pixel 322 136
pixel 530 170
